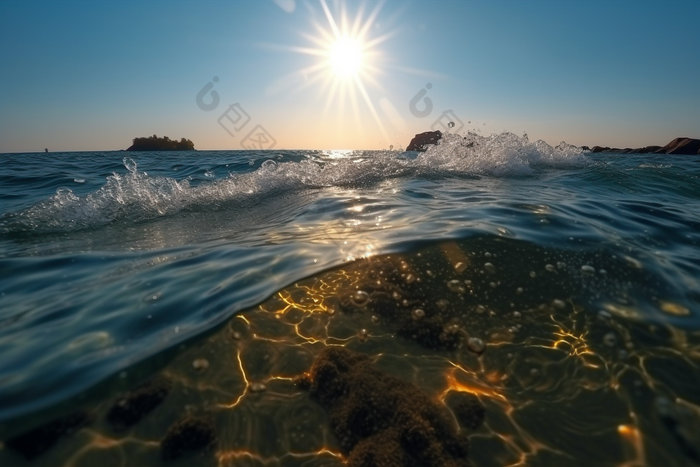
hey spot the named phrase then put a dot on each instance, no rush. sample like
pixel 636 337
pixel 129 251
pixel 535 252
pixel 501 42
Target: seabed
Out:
pixel 495 342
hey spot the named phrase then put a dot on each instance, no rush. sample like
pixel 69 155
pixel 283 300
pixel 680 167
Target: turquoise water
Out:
pixel 108 259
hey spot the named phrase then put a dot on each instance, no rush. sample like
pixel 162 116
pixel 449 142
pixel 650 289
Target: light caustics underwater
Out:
pixel 489 302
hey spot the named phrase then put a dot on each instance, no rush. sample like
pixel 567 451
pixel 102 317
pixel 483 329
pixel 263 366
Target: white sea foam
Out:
pixel 137 196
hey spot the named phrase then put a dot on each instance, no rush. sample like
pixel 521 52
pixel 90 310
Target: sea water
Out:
pixel 115 265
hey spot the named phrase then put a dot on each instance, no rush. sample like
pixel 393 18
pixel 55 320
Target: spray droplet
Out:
pixel 549 267
pixel 130 164
pixel 490 268
pixel 460 267
pixel 418 314
pixel 586 269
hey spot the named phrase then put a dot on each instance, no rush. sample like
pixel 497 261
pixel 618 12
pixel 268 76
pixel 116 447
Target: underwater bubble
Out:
pixel 516 315
pixel 561 264
pixel 467 282
pixel 480 309
pixel 442 304
pixel 549 267
pixel 490 268
pixel 476 345
pixel 360 298
pixel 487 254
pixel 460 267
pixel 200 364
pixel 609 339
pixel 451 125
pixel 375 319
pixel 236 335
pixel 363 335
pixel 209 174
pixel 396 296
pixel 417 314
pixel 493 285
pixel 410 279
pixel 558 304
pixel 586 269
pixel 257 387
pixel 533 274
pixel 603 272
pixel 519 290
pixel 455 286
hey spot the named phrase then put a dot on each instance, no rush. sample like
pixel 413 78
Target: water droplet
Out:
pixel 200 364
pixel 586 269
pixel 549 267
pixel 480 309
pixel 487 254
pixel 451 125
pixel 519 290
pixel 460 267
pixel 476 345
pixel 391 147
pixel 561 264
pixel 559 304
pixel 533 274
pixel 516 315
pixel 360 298
pixel 418 314
pixel 410 279
pixel 490 268
pixel 375 319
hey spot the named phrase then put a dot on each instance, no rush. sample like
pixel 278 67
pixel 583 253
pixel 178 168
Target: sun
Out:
pixel 346 57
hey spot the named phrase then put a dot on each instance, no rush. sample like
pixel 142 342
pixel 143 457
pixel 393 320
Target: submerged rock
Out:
pixel 187 435
pixel 131 408
pixel 37 441
pixel 421 141
pixel 381 420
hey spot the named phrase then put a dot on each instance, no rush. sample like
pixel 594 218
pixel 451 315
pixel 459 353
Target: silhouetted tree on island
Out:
pixel 154 143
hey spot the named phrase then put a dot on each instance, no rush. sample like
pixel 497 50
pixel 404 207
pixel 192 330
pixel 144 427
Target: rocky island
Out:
pixel 154 143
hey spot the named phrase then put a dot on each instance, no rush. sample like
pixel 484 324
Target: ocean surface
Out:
pixel 115 265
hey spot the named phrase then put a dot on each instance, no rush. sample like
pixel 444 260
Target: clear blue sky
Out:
pixel 91 75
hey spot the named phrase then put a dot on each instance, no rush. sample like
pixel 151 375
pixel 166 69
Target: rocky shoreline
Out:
pixel 679 146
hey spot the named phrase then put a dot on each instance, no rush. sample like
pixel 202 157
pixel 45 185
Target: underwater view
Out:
pixel 491 301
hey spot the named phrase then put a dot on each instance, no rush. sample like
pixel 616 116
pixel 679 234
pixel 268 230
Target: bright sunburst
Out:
pixel 347 56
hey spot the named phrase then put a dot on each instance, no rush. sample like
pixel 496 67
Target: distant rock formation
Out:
pixel 686 146
pixel 422 140
pixel 681 146
pixel 154 143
